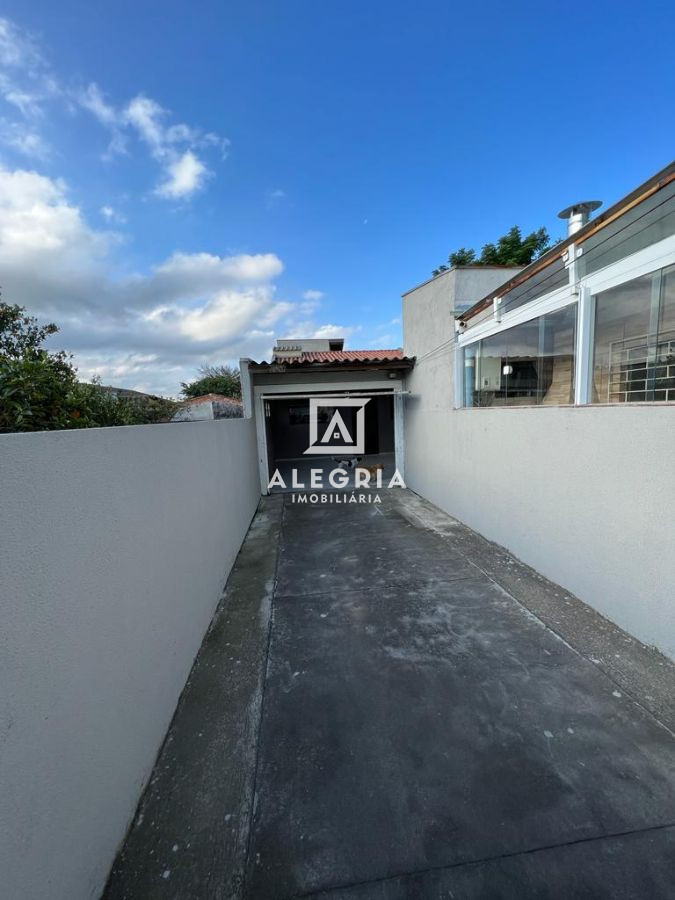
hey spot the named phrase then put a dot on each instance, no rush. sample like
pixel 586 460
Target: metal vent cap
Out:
pixel 578 214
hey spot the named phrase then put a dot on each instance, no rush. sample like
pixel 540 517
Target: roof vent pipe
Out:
pixel 578 214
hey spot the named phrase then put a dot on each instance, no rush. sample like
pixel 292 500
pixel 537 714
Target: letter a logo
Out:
pixel 336 437
pixel 336 429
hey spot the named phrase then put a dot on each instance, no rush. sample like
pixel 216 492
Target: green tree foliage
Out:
pixel 512 249
pixel 39 390
pixel 35 391
pixel 20 335
pixel 214 380
pixel 96 407
pixel 463 257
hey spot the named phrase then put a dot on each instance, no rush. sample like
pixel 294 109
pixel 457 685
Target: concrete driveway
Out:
pixel 388 706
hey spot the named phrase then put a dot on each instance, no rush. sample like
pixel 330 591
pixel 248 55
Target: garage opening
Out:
pixel 287 429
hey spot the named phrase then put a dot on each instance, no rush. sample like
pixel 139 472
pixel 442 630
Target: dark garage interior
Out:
pixel 288 436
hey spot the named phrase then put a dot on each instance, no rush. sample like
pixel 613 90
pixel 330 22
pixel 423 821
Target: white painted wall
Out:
pixel 115 544
pixel 428 310
pixel 585 495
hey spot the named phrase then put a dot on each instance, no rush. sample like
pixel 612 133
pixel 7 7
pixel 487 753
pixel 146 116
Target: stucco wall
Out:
pixel 115 545
pixel 428 314
pixel 428 310
pixel 585 495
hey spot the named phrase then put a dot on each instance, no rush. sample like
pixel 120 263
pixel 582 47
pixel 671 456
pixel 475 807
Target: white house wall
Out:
pixel 428 311
pixel 583 494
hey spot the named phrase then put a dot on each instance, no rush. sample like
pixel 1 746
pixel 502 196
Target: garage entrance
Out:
pixel 287 434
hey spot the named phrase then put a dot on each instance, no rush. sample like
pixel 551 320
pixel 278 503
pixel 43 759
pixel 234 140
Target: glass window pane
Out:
pixel 526 365
pixel 489 363
pixel 664 375
pixel 622 341
pixel 667 310
pixel 520 375
pixel 652 220
pixel 557 356
pixel 469 374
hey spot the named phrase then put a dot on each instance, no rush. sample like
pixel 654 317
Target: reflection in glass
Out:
pixel 634 340
pixel 664 375
pixel 556 356
pixel 529 364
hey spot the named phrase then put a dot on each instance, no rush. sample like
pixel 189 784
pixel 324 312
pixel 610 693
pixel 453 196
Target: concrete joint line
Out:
pixel 485 859
pixel 262 701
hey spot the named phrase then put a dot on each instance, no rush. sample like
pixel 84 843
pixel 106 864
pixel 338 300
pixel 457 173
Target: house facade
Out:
pixel 278 395
pixel 536 405
pixel 543 414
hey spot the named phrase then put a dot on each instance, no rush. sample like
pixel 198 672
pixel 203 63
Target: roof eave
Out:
pixel 450 269
pixel 404 364
pixel 649 187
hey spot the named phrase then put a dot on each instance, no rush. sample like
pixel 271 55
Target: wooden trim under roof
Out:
pixel 652 186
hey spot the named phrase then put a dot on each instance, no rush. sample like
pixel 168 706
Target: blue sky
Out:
pixel 181 183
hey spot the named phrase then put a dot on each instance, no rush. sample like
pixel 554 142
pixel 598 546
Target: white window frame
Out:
pixel 643 262
pixel 548 303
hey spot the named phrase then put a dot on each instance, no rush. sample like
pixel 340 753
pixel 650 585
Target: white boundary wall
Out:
pixel 584 495
pixel 115 544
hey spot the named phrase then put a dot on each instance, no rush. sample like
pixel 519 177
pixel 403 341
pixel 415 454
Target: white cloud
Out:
pixel 146 116
pixel 229 312
pixel 112 215
pixel 27 83
pixel 204 269
pixel 333 331
pixel 313 295
pixel 387 335
pixel 92 99
pixel 18 50
pixel 213 140
pixel 275 196
pixel 37 224
pixel 148 330
pixel 185 176
pixel 384 342
pixel 25 79
pixel 27 103
pixel 173 146
pixel 24 138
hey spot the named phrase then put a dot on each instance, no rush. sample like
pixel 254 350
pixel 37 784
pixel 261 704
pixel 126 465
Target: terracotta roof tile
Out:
pixel 354 359
pixel 345 356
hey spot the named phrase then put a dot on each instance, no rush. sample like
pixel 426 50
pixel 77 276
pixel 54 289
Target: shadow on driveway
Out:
pixel 378 712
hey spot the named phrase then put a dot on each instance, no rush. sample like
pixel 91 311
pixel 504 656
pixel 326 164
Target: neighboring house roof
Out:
pixel 209 406
pixel 651 186
pixel 208 398
pixel 348 355
pixel 127 393
pixel 340 359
